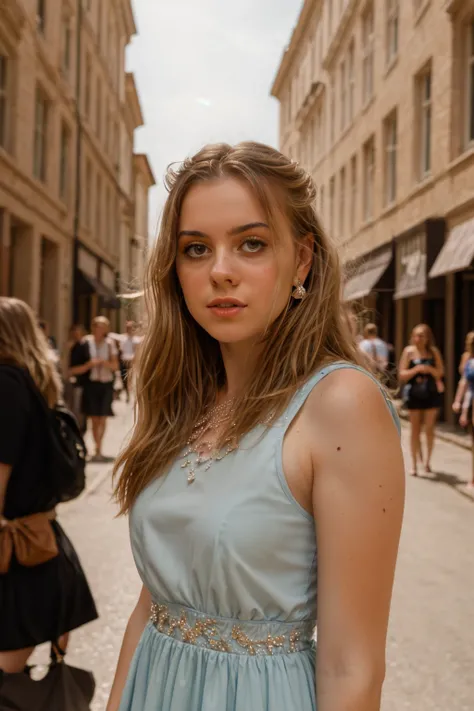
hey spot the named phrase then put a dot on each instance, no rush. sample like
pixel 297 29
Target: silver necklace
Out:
pixel 200 452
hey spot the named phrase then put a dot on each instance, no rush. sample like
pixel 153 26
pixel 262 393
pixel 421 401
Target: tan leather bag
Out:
pixel 31 539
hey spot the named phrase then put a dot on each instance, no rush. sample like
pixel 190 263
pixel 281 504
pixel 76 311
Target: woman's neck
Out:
pixel 240 361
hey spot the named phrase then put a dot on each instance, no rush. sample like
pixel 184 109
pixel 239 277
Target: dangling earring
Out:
pixel 299 292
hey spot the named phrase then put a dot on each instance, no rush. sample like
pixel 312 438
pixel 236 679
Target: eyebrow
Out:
pixel 234 231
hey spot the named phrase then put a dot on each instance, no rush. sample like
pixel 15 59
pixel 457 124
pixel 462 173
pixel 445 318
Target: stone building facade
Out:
pixel 68 111
pixel 377 101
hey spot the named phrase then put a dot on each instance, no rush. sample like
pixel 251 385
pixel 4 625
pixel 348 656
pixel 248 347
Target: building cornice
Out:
pixel 294 45
pixel 338 36
pixel 142 166
pixel 133 101
pixel 128 18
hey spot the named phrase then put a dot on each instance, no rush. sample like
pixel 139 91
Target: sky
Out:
pixel 204 70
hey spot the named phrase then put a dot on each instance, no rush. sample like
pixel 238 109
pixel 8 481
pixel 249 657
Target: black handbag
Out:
pixel 64 688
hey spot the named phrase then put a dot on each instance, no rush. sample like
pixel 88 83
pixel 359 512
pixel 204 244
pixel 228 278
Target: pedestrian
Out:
pixel 74 386
pixel 463 402
pixel 420 371
pixel 99 362
pixel 374 348
pixel 257 435
pixel 39 601
pixel 129 343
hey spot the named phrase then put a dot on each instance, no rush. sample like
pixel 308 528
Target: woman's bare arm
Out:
pixel 136 624
pixel 5 471
pixel 358 500
pixel 438 370
pixel 405 373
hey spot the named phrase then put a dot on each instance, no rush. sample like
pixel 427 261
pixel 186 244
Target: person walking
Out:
pixel 99 362
pixel 129 343
pixel 74 384
pixel 265 470
pixel 39 601
pixel 420 371
pixel 374 348
pixel 464 399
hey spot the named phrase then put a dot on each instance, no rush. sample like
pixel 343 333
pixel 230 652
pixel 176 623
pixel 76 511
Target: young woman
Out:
pixel 463 402
pixel 264 474
pixel 98 363
pixel 421 369
pixel 39 602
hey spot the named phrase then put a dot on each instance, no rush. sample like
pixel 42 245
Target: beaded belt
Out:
pixel 229 635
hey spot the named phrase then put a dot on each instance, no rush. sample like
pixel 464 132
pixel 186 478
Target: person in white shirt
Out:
pixel 100 362
pixel 374 348
pixel 129 342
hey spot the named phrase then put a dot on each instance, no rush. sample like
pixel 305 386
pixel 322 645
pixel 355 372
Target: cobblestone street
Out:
pixel 431 641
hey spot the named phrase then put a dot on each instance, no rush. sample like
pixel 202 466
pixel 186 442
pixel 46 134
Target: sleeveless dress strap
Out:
pixel 303 393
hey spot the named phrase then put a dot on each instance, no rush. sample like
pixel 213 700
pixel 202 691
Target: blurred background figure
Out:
pixel 374 348
pixel 74 356
pixel 420 371
pixel 46 595
pixel 464 400
pixel 129 342
pixel 99 362
pixel 53 352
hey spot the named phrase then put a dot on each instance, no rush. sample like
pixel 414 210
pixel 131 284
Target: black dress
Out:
pixel 40 603
pixel 421 393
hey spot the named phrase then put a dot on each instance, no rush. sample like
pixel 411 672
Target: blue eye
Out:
pixel 253 244
pixel 195 250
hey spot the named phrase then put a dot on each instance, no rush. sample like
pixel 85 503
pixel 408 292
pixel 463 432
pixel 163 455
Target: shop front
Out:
pixel 370 289
pixel 455 263
pixel 95 289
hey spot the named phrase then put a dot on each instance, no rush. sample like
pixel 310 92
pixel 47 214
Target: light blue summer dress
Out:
pixel 230 562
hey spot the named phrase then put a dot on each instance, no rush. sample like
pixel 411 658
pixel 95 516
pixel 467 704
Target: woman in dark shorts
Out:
pixel 421 369
pixel 46 601
pixel 99 361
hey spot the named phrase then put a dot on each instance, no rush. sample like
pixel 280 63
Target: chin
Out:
pixel 232 332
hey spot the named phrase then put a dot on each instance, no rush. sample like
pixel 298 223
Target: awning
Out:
pixel 95 286
pixel 368 274
pixel 458 251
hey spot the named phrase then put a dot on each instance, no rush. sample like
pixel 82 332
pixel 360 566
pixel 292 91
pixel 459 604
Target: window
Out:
pixel 98 108
pixel 390 134
pixel 332 117
pixel 470 84
pixel 343 90
pixel 332 203
pixel 40 128
pixel 369 179
pixel 351 81
pixel 41 15
pixel 64 162
pixel 88 195
pixel 342 205
pixel 98 205
pixel 4 102
pixel 353 193
pixel 87 87
pixel 392 29
pixel 66 48
pixel 424 111
pixel 368 54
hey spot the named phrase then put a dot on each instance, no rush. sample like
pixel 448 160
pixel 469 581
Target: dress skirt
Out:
pixel 41 603
pixel 170 675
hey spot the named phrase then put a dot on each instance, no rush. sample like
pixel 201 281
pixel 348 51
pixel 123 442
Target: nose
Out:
pixel 223 268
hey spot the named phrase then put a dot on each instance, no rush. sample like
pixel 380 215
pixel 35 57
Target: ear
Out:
pixel 304 257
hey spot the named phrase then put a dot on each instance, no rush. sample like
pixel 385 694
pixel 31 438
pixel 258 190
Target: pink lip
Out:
pixel 231 302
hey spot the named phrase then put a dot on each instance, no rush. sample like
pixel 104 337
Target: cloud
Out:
pixel 204 69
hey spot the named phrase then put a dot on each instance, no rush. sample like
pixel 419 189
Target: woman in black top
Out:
pixel 421 369
pixel 43 602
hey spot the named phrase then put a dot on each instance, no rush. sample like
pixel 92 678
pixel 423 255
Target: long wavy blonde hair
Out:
pixel 24 344
pixel 180 368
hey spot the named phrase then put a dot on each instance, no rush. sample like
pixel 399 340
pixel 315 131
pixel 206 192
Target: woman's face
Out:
pixel 235 275
pixel 420 338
